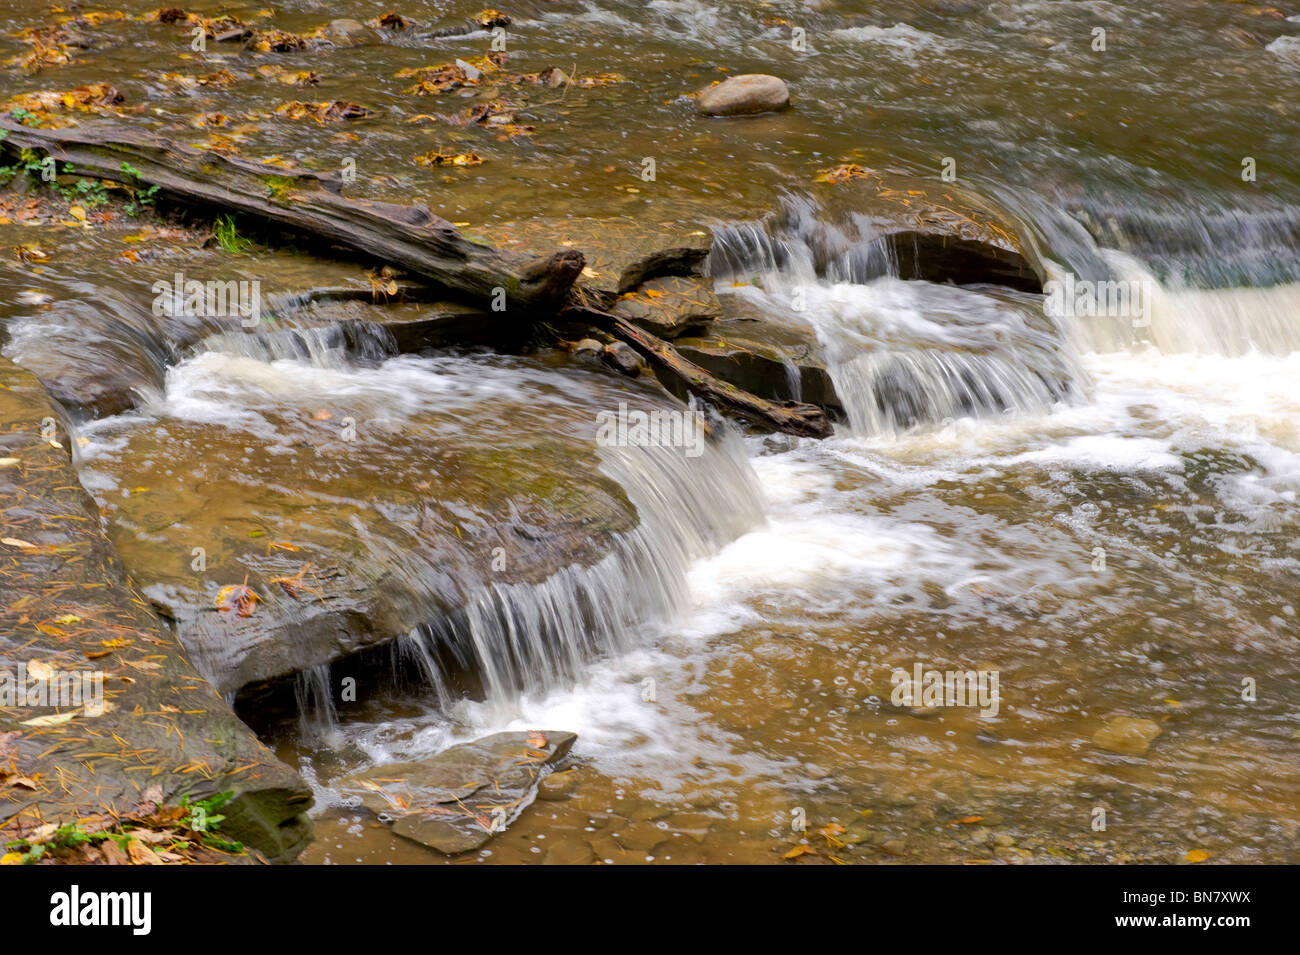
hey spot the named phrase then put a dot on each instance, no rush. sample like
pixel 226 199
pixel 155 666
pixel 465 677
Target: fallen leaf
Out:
pixel 844 173
pixel 1197 855
pixel 54 719
pixel 141 854
pixel 40 670
pixel 113 853
pixel 435 158
pixel 239 598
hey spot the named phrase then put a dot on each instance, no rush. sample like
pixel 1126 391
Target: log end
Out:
pixel 546 281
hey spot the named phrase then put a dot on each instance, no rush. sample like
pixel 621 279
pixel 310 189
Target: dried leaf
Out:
pixel 52 720
pixel 846 172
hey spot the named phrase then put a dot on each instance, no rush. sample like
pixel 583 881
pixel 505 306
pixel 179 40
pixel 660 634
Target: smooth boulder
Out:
pixel 745 95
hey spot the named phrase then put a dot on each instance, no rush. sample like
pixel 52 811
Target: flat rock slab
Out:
pixel 620 253
pixel 670 305
pixel 67 607
pixel 458 800
pixel 777 360
pixel 353 518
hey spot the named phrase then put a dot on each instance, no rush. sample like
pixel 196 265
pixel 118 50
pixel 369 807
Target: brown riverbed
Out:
pixel 964 540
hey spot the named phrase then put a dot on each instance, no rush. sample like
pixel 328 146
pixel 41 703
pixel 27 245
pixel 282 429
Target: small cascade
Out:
pixel 901 354
pixel 317 713
pixel 534 638
pixel 384 509
pixel 335 345
pixel 1135 309
pixel 1179 277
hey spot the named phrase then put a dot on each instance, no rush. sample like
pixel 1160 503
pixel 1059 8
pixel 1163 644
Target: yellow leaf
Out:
pixel 1197 855
pixel 11 858
pixel 53 720
pixel 15 542
pixel 68 618
pixel 798 851
pixel 78 213
pixel 39 670
pixel 8 462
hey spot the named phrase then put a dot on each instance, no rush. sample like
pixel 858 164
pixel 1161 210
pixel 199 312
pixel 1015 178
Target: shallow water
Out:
pixel 955 519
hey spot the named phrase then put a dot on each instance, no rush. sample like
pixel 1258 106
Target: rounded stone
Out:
pixel 745 95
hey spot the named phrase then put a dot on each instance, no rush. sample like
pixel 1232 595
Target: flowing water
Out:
pixel 1100 510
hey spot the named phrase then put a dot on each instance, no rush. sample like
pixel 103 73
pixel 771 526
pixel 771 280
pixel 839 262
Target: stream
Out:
pixel 1100 510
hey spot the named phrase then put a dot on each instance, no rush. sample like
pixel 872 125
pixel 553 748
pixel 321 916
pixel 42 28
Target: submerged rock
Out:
pixel 456 801
pixel 345 32
pixel 1127 735
pixel 558 786
pixel 623 359
pixel 745 95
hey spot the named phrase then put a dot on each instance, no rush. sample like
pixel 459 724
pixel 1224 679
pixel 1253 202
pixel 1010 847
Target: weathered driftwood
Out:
pixel 410 237
pixel 791 417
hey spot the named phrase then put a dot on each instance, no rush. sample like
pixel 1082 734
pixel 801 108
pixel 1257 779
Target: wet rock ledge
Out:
pixel 67 605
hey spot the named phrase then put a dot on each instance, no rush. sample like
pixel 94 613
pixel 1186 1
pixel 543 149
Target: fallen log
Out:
pixel 790 417
pixel 312 204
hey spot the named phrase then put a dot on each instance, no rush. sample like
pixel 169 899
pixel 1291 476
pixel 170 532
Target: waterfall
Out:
pixel 901 354
pixel 533 638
